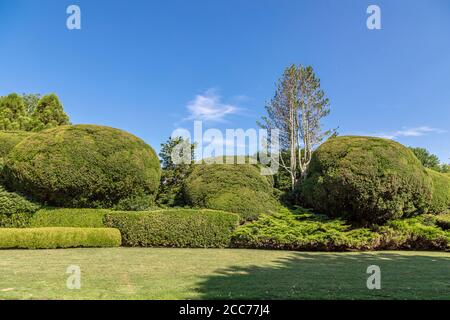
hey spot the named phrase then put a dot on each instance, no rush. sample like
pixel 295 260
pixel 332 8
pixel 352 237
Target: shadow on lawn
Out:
pixel 333 276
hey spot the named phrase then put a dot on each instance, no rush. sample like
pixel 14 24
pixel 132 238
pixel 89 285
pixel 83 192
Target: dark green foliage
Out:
pixel 85 166
pixel 302 230
pixel 440 202
pixel 79 218
pixel 238 188
pixel 15 220
pixel 174 174
pixel 52 238
pixel 15 210
pixel 174 228
pixel 366 180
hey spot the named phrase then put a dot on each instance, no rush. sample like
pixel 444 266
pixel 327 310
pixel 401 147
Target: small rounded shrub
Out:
pixel 84 166
pixel 366 180
pixel 238 188
pixel 440 202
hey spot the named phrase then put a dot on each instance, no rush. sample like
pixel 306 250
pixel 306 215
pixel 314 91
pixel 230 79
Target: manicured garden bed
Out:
pixel 154 273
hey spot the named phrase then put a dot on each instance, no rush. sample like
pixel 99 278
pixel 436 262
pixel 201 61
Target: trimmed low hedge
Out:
pixel 174 228
pixel 440 202
pixel 52 238
pixel 79 218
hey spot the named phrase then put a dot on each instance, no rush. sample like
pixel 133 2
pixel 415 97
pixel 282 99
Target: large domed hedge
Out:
pixel 238 188
pixel 9 139
pixel 366 180
pixel 441 192
pixel 84 166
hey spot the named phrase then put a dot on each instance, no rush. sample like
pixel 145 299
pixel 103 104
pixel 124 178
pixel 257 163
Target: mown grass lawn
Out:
pixel 151 273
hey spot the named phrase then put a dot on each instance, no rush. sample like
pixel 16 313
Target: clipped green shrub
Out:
pixel 15 210
pixel 9 139
pixel 440 202
pixel 52 238
pixel 366 180
pixel 85 166
pixel 238 188
pixel 15 220
pixel 79 218
pixel 174 228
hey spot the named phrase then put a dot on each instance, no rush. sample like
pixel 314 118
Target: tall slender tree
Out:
pixel 297 110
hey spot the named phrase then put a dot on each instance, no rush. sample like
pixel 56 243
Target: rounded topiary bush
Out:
pixel 440 202
pixel 84 166
pixel 366 180
pixel 238 188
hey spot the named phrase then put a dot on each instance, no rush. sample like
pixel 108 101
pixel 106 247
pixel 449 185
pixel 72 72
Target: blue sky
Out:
pixel 150 66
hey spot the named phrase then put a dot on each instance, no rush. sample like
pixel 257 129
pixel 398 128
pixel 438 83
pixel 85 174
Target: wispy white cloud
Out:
pixel 409 132
pixel 209 107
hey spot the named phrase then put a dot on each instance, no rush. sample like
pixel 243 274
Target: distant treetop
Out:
pixel 31 112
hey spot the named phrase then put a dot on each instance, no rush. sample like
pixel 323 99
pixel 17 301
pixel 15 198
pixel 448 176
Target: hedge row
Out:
pixel 174 228
pixel 79 218
pixel 52 238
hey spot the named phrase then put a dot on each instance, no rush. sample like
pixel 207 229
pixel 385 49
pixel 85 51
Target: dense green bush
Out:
pixel 79 218
pixel 174 228
pixel 304 231
pixel 366 180
pixel 440 202
pixel 85 166
pixel 238 188
pixel 51 238
pixel 15 220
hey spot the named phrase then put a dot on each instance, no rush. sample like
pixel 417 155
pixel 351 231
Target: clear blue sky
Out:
pixel 148 66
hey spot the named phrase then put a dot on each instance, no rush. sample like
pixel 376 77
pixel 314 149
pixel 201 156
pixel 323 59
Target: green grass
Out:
pixel 151 273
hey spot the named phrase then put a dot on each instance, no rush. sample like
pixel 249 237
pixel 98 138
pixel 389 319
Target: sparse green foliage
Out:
pixel 366 180
pixel 427 159
pixel 13 114
pixel 85 166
